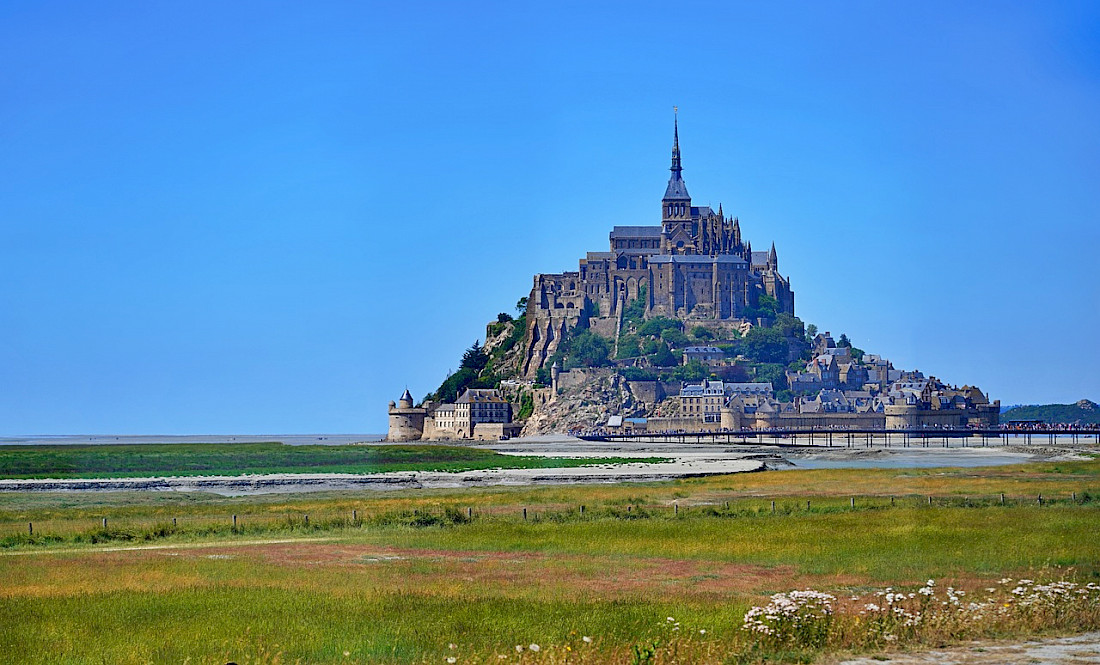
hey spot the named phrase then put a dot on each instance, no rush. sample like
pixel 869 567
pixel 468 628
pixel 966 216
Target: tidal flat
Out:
pixel 400 577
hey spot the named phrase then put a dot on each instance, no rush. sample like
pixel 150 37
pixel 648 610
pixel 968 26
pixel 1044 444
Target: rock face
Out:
pixel 586 400
pixel 1086 405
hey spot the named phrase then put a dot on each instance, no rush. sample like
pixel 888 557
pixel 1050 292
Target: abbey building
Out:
pixel 693 266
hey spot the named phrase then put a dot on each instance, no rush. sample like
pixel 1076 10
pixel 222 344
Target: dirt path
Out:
pixel 1076 650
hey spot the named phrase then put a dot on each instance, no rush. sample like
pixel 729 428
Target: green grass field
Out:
pixel 416 572
pixel 235 459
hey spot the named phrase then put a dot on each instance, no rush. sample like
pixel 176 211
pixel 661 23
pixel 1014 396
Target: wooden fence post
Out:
pixel 307 520
pixel 524 514
pixel 469 513
pixel 234 521
pixel 852 502
pixel 675 508
pixel 355 516
pixel 30 527
pixel 1002 498
pixel 104 522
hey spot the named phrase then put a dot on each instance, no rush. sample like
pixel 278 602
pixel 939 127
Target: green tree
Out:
pixel 658 324
pixel 638 374
pixel 663 357
pixel 635 310
pixel 474 358
pixel 521 305
pixel 526 406
pixel 693 371
pixel 790 327
pixel 455 384
pixel 765 345
pixel 773 373
pixel 628 347
pixel 811 331
pixel 504 317
pixel 587 349
pixel 675 338
pixel 702 334
pixel 767 306
pixel 843 341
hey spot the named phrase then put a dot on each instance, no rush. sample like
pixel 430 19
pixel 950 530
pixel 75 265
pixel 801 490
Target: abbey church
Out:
pixel 694 266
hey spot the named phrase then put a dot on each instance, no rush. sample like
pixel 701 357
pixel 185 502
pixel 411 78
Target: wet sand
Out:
pixel 683 460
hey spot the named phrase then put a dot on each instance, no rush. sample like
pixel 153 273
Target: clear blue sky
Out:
pixel 237 217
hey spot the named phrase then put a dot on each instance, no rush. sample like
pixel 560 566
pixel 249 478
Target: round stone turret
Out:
pixel 406 421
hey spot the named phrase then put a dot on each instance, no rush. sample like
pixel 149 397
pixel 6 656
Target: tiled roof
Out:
pixel 636 232
pixel 696 258
pixel 480 396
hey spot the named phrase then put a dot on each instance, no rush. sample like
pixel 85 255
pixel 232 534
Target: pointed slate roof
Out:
pixel 676 190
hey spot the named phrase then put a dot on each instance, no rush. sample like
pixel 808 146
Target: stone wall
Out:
pixel 649 392
pixel 433 433
pixel 909 417
pixel 406 425
pixel 818 420
pixel 677 423
pixel 605 327
pixel 496 431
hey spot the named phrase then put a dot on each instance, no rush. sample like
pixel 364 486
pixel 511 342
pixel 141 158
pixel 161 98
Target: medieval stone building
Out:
pixel 693 266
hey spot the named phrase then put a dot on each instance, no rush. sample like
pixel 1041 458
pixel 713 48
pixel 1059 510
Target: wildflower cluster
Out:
pixel 893 616
pixel 802 617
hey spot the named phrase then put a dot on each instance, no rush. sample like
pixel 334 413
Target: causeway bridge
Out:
pixel 862 437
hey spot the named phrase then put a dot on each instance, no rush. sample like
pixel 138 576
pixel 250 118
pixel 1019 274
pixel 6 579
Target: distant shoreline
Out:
pixel 108 439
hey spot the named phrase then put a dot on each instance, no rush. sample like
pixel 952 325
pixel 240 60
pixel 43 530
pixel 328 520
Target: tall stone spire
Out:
pixel 675 141
pixel 676 190
pixel 773 259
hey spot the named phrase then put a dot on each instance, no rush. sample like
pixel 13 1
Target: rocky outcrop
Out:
pixel 584 400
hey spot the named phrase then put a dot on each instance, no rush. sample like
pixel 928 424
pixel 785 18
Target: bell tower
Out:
pixel 676 203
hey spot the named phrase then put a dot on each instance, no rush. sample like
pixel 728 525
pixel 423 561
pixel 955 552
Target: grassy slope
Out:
pixel 391 592
pixel 234 459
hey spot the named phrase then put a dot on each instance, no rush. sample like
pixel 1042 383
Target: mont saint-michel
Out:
pixel 679 326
